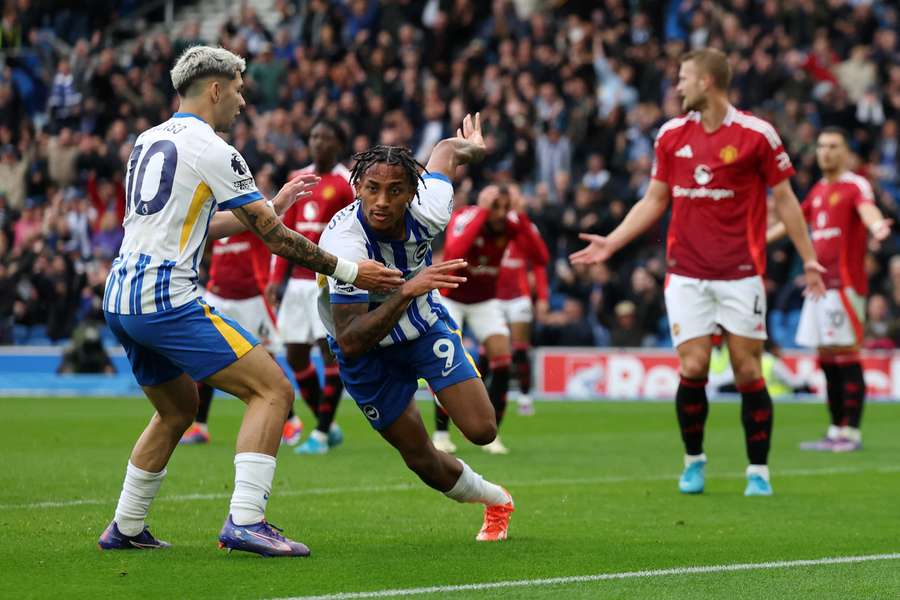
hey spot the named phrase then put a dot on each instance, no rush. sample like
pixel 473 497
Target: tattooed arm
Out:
pixel 358 330
pixel 261 219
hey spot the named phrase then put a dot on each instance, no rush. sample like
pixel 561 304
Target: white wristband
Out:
pixel 345 270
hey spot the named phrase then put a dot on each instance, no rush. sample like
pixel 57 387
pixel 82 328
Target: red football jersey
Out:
pixel 838 232
pixel 468 237
pixel 527 253
pixel 717 182
pixel 310 215
pixel 239 268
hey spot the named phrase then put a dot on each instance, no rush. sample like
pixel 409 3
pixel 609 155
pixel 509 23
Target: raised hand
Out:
pixel 298 187
pixel 598 250
pixel 435 277
pixel 471 131
pixel 373 275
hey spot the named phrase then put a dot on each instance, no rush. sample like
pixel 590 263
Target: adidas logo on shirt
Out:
pixel 685 152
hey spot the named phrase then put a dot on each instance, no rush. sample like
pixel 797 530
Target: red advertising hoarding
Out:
pixel 603 373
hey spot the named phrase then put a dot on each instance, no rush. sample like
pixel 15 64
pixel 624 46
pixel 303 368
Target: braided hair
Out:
pixel 389 155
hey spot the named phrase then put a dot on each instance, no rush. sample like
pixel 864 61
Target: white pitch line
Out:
pixel 471 587
pixel 403 487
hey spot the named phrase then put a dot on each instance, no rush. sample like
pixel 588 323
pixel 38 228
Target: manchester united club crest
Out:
pixel 728 154
pixel 328 192
pixel 834 198
pixel 702 175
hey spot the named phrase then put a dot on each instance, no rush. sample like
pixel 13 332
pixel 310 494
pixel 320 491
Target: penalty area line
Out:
pixel 695 570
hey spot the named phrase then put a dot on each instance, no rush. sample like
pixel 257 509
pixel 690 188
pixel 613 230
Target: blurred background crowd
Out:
pixel 571 96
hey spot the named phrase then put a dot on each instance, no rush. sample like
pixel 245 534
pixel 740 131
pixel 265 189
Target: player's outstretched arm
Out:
pixel 225 224
pixel 261 219
pixel 788 210
pixel 878 226
pixel 642 215
pixel 467 147
pixel 358 330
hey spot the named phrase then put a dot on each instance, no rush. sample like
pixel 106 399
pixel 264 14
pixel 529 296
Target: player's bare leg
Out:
pixel 259 382
pixel 499 355
pixel 175 402
pixel 756 410
pixel 447 474
pixel 468 405
pixel 692 408
pixel 520 339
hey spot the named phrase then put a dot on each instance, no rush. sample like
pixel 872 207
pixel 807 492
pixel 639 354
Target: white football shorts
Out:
pixel 483 318
pixel 518 310
pixel 298 315
pixel 835 319
pixel 696 306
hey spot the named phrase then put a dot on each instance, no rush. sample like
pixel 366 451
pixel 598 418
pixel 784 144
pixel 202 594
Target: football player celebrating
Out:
pixel 385 341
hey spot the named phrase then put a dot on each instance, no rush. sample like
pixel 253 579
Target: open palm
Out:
pixel 471 131
pixel 598 250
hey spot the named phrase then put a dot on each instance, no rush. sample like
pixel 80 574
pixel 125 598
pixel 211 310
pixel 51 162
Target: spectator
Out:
pixel 13 170
pixel 571 101
pixel 627 332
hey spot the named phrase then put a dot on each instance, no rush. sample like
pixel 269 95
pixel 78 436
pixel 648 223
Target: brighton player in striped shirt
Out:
pixel 179 174
pixel 714 164
pixel 840 209
pixel 385 342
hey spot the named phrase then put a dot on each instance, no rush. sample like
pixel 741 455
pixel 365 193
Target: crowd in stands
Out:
pixel 571 98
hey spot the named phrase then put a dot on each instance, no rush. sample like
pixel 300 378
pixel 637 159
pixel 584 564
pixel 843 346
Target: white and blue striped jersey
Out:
pixel 350 237
pixel 178 175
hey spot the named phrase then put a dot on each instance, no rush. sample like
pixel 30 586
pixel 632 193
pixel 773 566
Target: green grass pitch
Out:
pixel 594 485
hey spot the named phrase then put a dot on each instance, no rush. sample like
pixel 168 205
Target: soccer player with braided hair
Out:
pixel 385 341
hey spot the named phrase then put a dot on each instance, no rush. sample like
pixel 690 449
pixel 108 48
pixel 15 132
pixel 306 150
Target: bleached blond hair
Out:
pixel 198 62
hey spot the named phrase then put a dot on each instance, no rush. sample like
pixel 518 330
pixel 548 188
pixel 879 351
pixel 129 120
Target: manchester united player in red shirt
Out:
pixel 715 164
pixel 841 212
pixel 480 235
pixel 514 293
pixel 298 318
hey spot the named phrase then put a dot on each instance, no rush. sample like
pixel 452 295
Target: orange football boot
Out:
pixel 496 521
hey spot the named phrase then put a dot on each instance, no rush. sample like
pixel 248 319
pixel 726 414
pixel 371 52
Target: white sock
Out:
pixel 690 459
pixel 253 474
pixel 138 491
pixel 203 427
pixel 440 435
pixel 524 399
pixel 761 470
pixel 471 487
pixel 851 433
pixel 319 436
pixel 834 432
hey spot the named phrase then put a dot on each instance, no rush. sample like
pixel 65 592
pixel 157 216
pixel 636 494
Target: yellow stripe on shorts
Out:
pixel 236 341
pixel 469 356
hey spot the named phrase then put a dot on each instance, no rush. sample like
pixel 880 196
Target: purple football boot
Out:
pixel 261 538
pixel 113 539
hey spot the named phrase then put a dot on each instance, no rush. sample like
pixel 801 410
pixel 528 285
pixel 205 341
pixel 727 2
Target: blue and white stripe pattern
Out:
pixel 349 236
pixel 179 174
